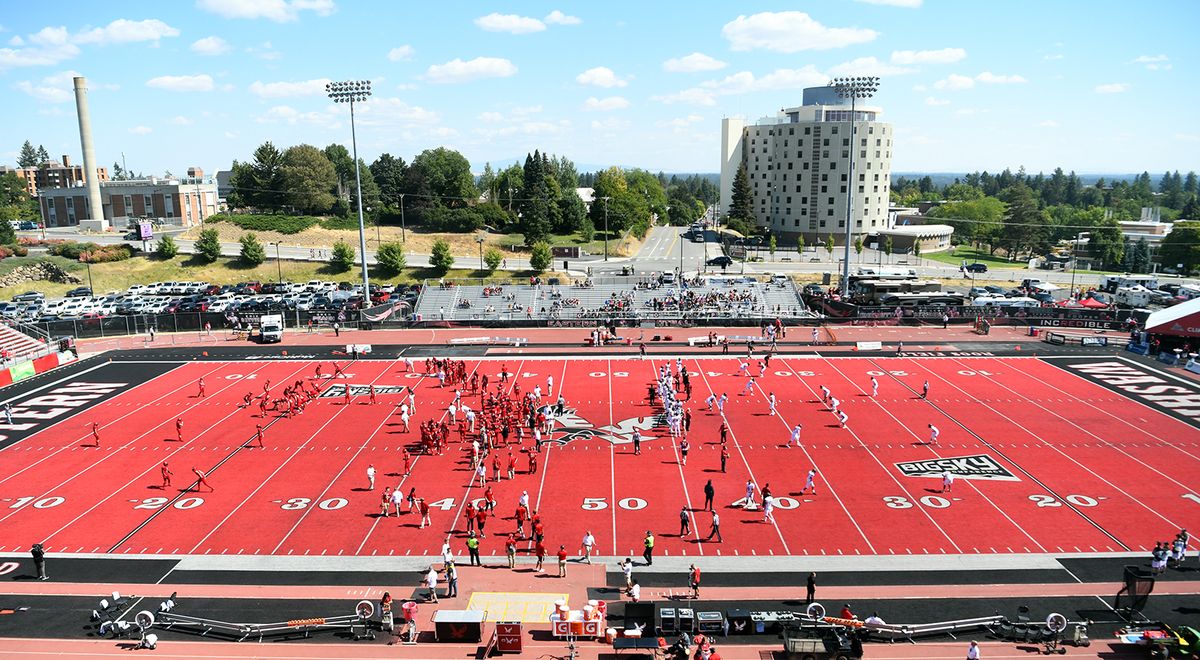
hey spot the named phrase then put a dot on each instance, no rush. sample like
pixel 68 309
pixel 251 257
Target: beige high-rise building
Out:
pixel 798 165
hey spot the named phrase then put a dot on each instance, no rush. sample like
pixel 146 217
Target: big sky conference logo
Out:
pixel 979 467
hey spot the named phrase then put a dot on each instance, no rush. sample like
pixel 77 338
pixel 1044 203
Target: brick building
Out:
pixel 180 201
pixel 53 174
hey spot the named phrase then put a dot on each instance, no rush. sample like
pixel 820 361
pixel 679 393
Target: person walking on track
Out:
pixel 694 581
pixel 874 387
pixel 810 482
pixel 795 440
pixel 715 530
pixel 371 477
pixel 709 492
pixel 685 522
pixel 258 435
pixel 200 384
pixel 179 429
pixel 96 433
pixel 166 475
pixel 648 548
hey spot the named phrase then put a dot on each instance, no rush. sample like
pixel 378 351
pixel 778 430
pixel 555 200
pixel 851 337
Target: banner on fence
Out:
pixel 868 346
pixel 1093 341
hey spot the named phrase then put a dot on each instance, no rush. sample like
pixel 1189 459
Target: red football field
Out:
pixel 1059 464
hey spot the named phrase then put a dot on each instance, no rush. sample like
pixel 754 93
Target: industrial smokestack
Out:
pixel 95 204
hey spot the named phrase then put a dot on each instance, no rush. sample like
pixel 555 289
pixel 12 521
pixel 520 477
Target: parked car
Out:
pixel 813 289
pixel 994 290
pixel 30 296
pixel 720 262
pixel 976 268
pixel 80 292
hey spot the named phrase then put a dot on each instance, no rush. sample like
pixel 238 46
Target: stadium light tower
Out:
pixel 350 91
pixel 858 87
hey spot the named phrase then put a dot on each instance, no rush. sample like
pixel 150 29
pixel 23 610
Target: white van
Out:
pixel 998 301
pixel 887 273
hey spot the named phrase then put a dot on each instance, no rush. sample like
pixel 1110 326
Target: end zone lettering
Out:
pixel 362 390
pixel 980 466
pixel 1174 397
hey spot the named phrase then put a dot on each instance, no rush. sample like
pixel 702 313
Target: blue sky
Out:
pixel 1100 86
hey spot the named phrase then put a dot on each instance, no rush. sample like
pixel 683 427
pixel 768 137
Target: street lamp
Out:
pixel 278 263
pixel 606 198
pixel 858 87
pixel 1075 258
pixel 480 238
pixel 350 91
pixel 403 235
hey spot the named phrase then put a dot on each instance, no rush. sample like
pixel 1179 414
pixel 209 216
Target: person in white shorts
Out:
pixel 771 403
pixel 933 434
pixel 842 417
pixel 796 435
pixel 874 387
pixel 750 488
pixel 768 509
pixel 947 481
pixel 810 482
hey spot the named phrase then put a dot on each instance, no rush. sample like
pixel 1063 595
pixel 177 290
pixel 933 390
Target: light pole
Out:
pixel 348 92
pixel 278 263
pixel 1075 259
pixel 480 238
pixel 858 87
pixel 403 234
pixel 605 198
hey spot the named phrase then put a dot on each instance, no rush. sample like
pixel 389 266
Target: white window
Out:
pixel 169 203
pixel 147 205
pixel 128 205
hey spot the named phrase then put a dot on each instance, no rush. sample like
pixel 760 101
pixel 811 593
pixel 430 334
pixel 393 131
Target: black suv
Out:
pixel 975 268
pixel 721 261
pixel 80 292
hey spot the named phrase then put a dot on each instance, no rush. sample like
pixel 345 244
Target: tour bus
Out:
pixel 886 273
pixel 1111 283
pixel 999 301
pixel 872 292
pixel 921 299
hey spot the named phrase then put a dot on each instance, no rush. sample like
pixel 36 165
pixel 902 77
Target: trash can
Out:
pixel 826 278
pixel 1033 331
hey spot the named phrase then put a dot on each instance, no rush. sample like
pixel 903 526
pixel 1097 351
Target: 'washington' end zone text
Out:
pixel 1176 398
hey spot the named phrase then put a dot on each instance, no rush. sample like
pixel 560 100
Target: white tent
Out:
pixel 1182 320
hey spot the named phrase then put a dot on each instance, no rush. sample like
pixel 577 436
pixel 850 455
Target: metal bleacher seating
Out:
pixel 19 346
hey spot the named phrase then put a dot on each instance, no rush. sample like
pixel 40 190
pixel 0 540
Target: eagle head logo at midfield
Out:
pixel 572 426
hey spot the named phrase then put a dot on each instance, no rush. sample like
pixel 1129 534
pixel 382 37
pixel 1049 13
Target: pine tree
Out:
pixel 42 155
pixel 28 156
pixel 740 204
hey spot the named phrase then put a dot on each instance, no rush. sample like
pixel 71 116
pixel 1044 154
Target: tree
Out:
pixel 370 190
pixel 28 156
pixel 587 230
pixel 241 180
pixel 390 257
pixel 1022 220
pixel 535 220
pixel 510 184
pixel 342 258
pixel 252 253
pixel 1105 242
pixel 975 221
pixel 448 174
pixel 743 198
pixel 800 245
pixel 167 248
pixel 887 247
pixel 388 173
pixel 771 245
pixel 1191 209
pixel 572 211
pixel 343 165
pixel 42 155
pixel 309 179
pixel 858 247
pixel 493 257
pixel 540 257
pixel 829 246
pixel 487 183
pixel 440 258
pixel 916 248
pixel 8 235
pixel 263 186
pixel 208 246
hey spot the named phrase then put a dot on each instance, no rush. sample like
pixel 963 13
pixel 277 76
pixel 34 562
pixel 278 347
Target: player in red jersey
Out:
pixel 166 475
pixel 201 480
pixel 178 429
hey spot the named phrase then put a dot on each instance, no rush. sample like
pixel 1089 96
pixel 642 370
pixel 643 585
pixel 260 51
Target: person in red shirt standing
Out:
pixel 347 394
pixel 423 506
pixel 200 383
pixel 512 465
pixel 96 433
pixel 179 429
pixel 262 407
pixel 258 434
pixel 562 561
pixel 694 581
pixel 481 517
pixel 539 551
pixel 532 463
pixel 469 513
pixel 521 514
pixel 489 499
pixel 166 475
pixel 373 401
pixel 495 467
pixel 407 462
pixel 201 481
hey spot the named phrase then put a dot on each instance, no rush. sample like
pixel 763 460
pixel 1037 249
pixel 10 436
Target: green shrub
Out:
pixel 106 254
pixel 440 258
pixel 335 223
pixel 390 257
pixel 284 224
pixel 252 253
pixel 343 257
pixel 493 257
pixel 208 247
pixel 540 257
pixel 167 248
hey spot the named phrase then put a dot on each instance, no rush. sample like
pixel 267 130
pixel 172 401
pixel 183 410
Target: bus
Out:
pixel 922 299
pixel 872 292
pixel 885 273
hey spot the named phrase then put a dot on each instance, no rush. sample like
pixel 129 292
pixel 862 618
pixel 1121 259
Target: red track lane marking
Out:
pixel 75 442
pixel 694 525
pixel 403 478
pixel 1098 438
pixel 106 457
pixel 1051 446
pixel 973 486
pixel 471 482
pixel 295 453
pixel 750 471
pixel 129 483
pixel 871 453
pixel 1118 418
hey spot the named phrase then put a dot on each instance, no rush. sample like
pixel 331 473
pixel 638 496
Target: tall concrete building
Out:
pixel 798 163
pixel 53 174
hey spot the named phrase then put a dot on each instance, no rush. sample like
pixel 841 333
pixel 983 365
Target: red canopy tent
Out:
pixel 1182 320
pixel 1092 303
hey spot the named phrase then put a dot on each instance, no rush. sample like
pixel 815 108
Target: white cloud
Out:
pixel 393 112
pixel 285 88
pixel 1052 56
pixel 197 83
pixel 991 78
pixel 47 47
pixel 123 31
pixel 229 135
pixel 401 53
pixel 745 82
pixel 1154 62
pixel 920 88
pixel 606 104
pixel 141 130
pixel 491 117
pixel 458 71
pixel 180 120
pixel 693 63
pixel 789 32
pixel 954 82
pixel 57 88
pixel 280 11
pixel 679 123
pixel 210 46
pixel 556 17
pixel 907 4
pixel 610 125
pixel 16 40
pixel 1112 88
pixel 600 76
pixel 1187 137
pixel 510 23
pixel 943 56
pixel 868 66
pixel 1047 123
pixel 936 101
